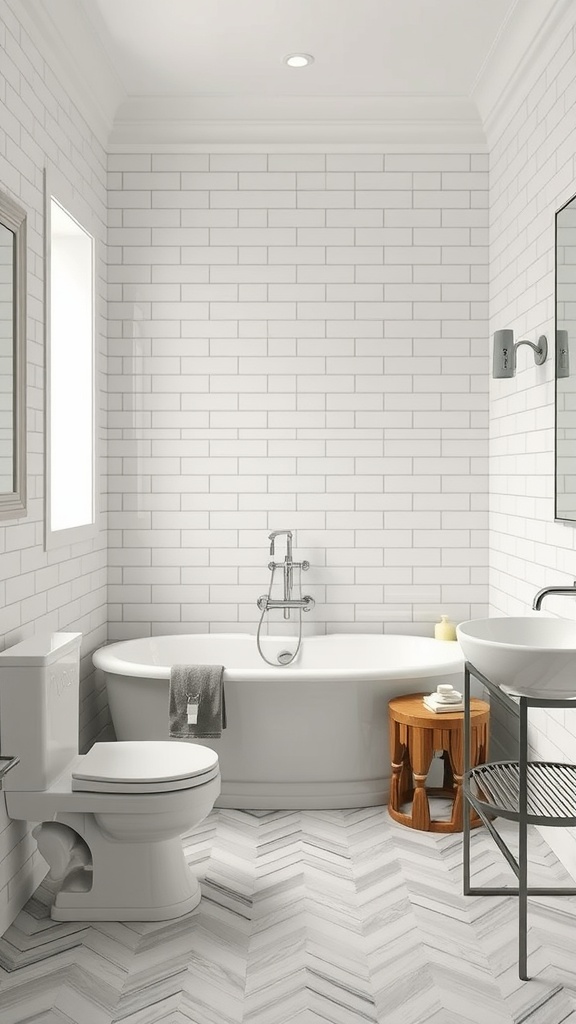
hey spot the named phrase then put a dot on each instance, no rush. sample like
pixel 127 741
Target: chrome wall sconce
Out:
pixel 504 364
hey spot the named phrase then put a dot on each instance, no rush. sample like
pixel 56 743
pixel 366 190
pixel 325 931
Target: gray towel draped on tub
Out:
pixel 199 685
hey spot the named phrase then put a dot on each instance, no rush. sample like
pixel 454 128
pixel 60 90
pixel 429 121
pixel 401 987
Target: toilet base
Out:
pixel 93 913
pixel 142 881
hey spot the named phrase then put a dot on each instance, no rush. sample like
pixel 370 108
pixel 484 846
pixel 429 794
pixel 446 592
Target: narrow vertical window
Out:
pixel 70 421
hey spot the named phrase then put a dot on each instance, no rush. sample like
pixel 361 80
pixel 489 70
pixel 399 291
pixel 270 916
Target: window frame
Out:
pixel 59 189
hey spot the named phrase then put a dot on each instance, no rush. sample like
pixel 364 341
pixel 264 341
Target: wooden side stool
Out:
pixel 415 733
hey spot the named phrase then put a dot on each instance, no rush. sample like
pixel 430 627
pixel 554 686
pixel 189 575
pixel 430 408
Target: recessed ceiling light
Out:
pixel 298 60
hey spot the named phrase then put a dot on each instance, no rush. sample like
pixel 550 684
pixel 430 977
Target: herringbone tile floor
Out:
pixel 307 917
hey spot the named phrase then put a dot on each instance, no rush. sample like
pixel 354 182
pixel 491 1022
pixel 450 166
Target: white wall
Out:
pixel 297 340
pixel 65 589
pixel 532 173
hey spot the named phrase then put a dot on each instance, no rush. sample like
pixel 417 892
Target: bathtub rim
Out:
pixel 450 659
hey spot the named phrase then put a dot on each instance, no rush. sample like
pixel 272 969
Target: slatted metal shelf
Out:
pixel 494 788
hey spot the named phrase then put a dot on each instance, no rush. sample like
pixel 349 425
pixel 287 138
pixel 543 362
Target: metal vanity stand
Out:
pixel 529 792
pixel 7 763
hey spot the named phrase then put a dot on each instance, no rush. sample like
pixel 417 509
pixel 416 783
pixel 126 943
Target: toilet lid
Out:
pixel 144 766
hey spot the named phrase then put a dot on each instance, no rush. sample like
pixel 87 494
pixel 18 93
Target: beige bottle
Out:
pixel 445 630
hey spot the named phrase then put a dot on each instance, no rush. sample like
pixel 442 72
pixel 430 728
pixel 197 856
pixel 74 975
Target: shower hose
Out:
pixel 275 664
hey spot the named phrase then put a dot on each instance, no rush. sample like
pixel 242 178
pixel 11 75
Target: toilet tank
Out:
pixel 39 704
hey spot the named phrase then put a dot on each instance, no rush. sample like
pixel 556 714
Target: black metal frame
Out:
pixel 558 518
pixel 7 763
pixel 487 812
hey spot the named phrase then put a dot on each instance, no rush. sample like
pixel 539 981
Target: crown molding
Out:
pixel 70 38
pixel 516 59
pixel 67 40
pixel 280 120
pixel 298 147
pixel 316 136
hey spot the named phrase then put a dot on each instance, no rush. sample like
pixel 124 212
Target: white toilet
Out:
pixel 111 818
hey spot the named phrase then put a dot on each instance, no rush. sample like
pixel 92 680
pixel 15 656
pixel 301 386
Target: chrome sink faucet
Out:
pixel 537 602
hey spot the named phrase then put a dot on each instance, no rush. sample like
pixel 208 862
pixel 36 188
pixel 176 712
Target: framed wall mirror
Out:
pixel 12 359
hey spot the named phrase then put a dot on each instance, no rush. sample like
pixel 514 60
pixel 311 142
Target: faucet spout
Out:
pixel 537 602
pixel 278 533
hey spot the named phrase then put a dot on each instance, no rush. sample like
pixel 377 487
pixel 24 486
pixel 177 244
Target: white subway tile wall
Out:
pixel 533 172
pixel 64 589
pixel 297 341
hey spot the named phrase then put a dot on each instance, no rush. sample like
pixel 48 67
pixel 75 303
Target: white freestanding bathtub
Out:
pixel 311 734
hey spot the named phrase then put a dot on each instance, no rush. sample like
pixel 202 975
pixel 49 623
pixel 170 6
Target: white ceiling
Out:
pixel 386 72
pixel 384 48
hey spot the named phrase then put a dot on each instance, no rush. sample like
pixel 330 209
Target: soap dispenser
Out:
pixel 445 630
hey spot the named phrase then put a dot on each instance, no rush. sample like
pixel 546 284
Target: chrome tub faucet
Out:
pixel 266 602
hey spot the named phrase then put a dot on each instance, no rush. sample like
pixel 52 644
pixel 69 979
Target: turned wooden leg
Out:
pixel 456 755
pixel 397 760
pixel 421 754
pixel 456 752
pixel 406 781
pixel 456 819
pixel 481 745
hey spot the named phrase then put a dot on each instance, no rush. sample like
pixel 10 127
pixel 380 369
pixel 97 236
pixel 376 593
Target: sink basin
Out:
pixel 532 655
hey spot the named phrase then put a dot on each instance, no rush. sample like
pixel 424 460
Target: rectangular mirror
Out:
pixel 12 358
pixel 565 265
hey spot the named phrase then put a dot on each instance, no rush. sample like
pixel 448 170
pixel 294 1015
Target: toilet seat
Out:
pixel 153 766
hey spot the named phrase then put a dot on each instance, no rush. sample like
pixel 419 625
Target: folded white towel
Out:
pixel 446 694
pixel 435 699
pixel 433 704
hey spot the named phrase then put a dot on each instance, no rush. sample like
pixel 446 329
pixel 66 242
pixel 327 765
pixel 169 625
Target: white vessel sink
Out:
pixel 532 655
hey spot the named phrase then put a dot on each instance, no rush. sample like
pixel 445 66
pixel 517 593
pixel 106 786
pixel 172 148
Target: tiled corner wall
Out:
pixel 66 588
pixel 532 173
pixel 297 341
